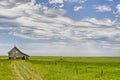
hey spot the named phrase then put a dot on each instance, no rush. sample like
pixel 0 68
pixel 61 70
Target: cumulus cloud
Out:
pixel 77 8
pixel 32 21
pixel 118 8
pixel 55 1
pixel 60 3
pixel 76 1
pixel 103 8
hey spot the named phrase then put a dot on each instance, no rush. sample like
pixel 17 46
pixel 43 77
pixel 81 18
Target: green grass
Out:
pixel 60 68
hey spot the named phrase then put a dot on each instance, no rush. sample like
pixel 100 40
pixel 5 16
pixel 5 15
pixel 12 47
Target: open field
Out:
pixel 60 68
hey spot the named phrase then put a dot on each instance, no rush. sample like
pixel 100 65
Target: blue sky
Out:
pixel 61 27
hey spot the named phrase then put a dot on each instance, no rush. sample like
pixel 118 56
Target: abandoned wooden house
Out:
pixel 15 53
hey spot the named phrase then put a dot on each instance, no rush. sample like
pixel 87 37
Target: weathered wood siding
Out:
pixel 15 53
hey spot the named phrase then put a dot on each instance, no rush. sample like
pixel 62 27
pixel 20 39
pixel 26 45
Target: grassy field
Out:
pixel 60 68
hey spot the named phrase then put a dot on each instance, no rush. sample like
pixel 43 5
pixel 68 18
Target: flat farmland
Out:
pixel 60 68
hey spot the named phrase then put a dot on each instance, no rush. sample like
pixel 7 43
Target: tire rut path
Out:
pixel 24 71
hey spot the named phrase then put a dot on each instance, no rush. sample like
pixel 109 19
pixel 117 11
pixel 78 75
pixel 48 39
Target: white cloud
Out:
pixel 118 8
pixel 35 22
pixel 77 8
pixel 56 1
pixel 103 8
pixel 104 22
pixel 76 1
pixel 62 5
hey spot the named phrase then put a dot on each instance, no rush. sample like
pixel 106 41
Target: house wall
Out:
pixel 16 54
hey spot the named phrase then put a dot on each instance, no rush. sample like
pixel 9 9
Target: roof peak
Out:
pixel 14 47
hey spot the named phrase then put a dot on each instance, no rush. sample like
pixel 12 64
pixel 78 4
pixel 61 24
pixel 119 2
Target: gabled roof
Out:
pixel 15 48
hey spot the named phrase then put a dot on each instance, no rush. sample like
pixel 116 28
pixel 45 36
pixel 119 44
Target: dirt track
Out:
pixel 24 71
